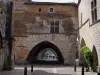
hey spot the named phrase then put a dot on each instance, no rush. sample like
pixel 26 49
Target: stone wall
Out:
pixel 67 45
pixel 2 32
pixel 19 4
pixel 4 52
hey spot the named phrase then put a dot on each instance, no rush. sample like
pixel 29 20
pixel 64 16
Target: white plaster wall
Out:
pixel 91 34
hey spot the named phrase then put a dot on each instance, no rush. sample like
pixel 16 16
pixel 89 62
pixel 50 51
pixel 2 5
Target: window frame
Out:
pixel 50 8
pixel 94 10
pixel 54 26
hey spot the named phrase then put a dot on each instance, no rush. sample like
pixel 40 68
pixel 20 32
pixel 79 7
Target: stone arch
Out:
pixel 95 59
pixel 32 57
pixel 81 54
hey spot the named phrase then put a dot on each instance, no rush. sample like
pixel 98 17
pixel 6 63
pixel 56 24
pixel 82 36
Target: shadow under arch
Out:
pixel 32 57
pixel 82 43
pixel 94 59
pixel 81 54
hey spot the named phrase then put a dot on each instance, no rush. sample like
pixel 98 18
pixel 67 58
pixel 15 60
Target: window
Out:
pixel 54 27
pixel 94 11
pixel 39 9
pixel 51 10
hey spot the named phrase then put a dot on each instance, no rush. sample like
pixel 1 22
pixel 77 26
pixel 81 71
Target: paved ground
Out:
pixel 46 70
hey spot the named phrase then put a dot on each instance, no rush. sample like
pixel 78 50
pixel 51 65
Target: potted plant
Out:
pixel 87 56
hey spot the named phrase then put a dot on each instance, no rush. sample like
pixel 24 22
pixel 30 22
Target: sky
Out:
pixel 60 1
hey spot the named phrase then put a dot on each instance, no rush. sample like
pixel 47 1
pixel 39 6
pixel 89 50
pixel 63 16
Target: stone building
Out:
pixel 89 28
pixel 5 37
pixel 46 33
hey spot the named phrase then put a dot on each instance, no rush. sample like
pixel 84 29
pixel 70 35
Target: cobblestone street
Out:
pixel 43 70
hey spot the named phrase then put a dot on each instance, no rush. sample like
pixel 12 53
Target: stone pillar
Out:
pixel 8 62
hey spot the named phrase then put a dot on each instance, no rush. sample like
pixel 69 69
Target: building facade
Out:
pixel 89 28
pixel 46 32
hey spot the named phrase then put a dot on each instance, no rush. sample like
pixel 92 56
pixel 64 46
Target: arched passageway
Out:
pixel 45 53
pixel 95 59
pixel 81 54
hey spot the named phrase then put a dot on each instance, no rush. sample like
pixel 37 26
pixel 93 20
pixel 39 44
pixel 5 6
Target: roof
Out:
pixel 79 1
pixel 50 3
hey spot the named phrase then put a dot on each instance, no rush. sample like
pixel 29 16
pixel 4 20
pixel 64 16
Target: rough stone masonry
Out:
pixel 33 26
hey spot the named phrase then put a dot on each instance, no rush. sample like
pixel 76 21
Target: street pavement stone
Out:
pixel 64 70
